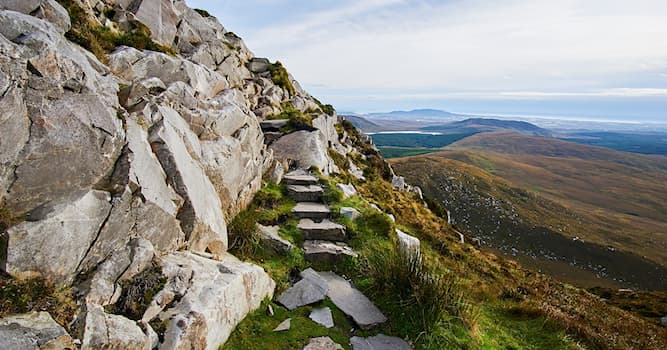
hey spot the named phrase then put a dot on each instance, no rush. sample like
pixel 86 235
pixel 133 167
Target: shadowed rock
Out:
pixel 309 210
pixel 311 289
pixel 311 193
pixel 325 230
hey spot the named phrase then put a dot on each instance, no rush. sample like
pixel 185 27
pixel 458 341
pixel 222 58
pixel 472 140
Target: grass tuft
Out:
pixel 280 77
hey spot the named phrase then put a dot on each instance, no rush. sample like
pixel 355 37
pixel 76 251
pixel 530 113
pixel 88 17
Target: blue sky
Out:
pixel 593 58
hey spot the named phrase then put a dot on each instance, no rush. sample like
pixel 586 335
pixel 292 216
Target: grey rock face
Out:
pixel 325 230
pixel 48 10
pixel 34 248
pixel 322 317
pixel 67 116
pixel 310 289
pixel 325 251
pixel 272 241
pixel 350 213
pixel 106 331
pixel 309 210
pixel 160 16
pixel 212 295
pixel 322 343
pixel 103 288
pixel 35 330
pixel 310 193
pixel 201 215
pixel 379 342
pixel 259 65
pixel 352 302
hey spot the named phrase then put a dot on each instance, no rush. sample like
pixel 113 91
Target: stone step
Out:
pixel 326 251
pixel 325 230
pixel 352 302
pixel 300 177
pixel 311 193
pixel 310 210
pixel 312 288
pixel 273 124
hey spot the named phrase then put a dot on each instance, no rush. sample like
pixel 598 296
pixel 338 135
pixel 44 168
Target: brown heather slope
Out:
pixel 532 195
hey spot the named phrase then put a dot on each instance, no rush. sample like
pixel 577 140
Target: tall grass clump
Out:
pixel 243 233
pixel 280 77
pixel 420 299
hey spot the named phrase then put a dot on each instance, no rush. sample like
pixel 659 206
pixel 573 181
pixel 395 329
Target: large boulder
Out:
pixel 48 10
pixel 208 298
pixel 201 214
pixel 35 330
pixel 305 149
pixel 55 243
pixel 70 105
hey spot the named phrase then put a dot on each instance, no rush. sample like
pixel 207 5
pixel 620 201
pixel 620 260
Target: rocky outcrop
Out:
pixel 118 168
pixel 205 299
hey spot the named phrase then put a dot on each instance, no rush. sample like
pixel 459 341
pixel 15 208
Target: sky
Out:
pixel 595 58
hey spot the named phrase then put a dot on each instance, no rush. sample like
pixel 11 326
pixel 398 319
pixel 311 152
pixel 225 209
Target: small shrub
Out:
pixel 426 299
pixel 101 40
pixel 139 292
pixel 376 222
pixel 297 120
pixel 327 109
pixel 243 233
pixel 280 77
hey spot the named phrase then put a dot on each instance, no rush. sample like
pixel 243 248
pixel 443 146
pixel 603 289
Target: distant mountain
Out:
pixel 363 124
pixel 490 125
pixel 423 113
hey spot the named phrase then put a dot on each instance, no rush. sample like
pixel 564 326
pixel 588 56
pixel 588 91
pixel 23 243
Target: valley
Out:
pixel 567 209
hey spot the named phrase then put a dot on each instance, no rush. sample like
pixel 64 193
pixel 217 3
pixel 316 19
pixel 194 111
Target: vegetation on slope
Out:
pixel 101 40
pixel 280 77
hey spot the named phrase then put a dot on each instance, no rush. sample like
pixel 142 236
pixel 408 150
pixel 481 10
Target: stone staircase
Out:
pixel 324 239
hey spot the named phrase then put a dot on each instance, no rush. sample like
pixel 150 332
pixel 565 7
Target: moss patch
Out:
pixel 280 77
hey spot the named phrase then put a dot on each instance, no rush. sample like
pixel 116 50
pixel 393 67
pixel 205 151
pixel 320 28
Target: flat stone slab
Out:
pixel 324 230
pixel 352 302
pixel 311 289
pixel 326 251
pixel 322 317
pixel 271 239
pixel 322 343
pixel 379 342
pixel 310 193
pixel 300 177
pixel 284 326
pixel 273 124
pixel 310 210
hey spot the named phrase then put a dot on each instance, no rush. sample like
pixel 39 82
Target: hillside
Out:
pixel 477 125
pixel 363 124
pixel 570 191
pixel 164 188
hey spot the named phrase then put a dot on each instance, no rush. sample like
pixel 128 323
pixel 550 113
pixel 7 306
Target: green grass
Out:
pixel 280 77
pixel 297 120
pixel 508 327
pixel 256 332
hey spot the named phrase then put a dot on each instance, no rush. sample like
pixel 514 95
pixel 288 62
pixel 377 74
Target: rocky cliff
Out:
pixel 131 131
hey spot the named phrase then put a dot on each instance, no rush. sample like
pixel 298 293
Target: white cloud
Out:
pixel 472 45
